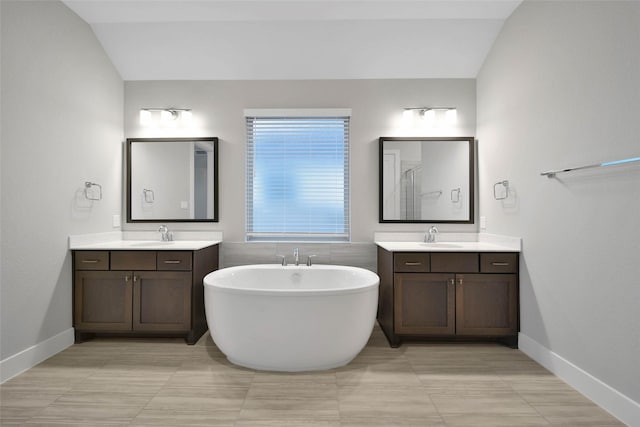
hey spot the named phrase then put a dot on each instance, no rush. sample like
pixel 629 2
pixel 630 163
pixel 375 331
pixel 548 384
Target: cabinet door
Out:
pixel 424 304
pixel 486 304
pixel 102 300
pixel 162 301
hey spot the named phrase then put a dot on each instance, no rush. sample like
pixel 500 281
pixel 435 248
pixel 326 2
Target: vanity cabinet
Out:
pixel 452 295
pixel 141 292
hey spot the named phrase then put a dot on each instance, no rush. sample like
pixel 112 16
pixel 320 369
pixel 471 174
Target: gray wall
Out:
pixel 376 111
pixel 561 88
pixel 62 124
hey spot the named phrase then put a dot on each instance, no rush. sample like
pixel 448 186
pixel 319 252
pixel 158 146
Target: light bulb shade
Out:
pixel 186 116
pixel 407 117
pixel 429 117
pixel 145 117
pixel 451 116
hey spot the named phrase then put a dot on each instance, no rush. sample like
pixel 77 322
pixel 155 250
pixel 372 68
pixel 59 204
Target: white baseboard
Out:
pixel 30 357
pixel 605 396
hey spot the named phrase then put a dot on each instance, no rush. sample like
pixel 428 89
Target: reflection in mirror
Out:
pixel 172 179
pixel 426 179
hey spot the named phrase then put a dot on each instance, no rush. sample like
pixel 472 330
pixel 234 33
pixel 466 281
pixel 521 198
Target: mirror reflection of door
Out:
pixel 200 184
pixel 391 191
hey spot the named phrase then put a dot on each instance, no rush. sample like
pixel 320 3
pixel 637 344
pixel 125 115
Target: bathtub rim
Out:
pixel 374 283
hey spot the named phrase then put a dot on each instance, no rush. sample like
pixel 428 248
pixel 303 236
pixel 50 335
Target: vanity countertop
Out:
pixel 446 247
pixel 150 245
pixel 447 242
pixel 143 240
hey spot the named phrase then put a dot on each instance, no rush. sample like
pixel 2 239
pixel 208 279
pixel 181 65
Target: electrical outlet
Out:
pixel 116 221
pixel 483 223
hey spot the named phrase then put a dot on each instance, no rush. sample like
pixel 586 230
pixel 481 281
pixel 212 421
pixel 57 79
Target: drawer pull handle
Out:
pixel 90 261
pixel 500 264
pixel 172 261
pixel 412 263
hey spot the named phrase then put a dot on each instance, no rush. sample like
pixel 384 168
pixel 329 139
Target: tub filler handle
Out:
pixel 309 260
pixel 284 260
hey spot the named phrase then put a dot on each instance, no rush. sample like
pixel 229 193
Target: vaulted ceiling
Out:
pixel 295 39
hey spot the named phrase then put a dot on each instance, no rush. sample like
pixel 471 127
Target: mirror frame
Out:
pixel 212 139
pixel 471 142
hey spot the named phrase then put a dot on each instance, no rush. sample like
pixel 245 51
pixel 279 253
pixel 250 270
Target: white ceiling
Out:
pixel 295 39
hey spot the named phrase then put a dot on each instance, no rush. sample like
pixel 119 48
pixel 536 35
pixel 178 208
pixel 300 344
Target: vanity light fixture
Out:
pixel 167 115
pixel 431 115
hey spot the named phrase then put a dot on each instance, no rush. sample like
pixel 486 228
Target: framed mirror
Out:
pixel 426 180
pixel 172 179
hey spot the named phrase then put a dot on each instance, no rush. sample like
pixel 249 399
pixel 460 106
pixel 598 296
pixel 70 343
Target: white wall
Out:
pixel 62 103
pixel 561 88
pixel 376 111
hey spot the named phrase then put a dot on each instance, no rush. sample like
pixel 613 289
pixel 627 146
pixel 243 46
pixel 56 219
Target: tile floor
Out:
pixel 164 382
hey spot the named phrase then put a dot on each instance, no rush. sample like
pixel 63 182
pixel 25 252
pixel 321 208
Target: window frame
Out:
pixel 288 236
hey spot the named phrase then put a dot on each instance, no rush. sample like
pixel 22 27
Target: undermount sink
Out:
pixel 442 245
pixel 151 243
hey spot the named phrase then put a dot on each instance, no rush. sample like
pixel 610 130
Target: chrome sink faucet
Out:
pixel 430 236
pixel 165 234
pixel 296 255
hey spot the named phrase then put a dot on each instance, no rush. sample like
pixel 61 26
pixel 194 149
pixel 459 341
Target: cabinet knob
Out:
pixel 452 281
pixel 460 281
pixel 135 278
pixel 127 278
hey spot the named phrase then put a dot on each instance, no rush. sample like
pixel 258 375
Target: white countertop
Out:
pixel 445 247
pixel 134 240
pixel 151 245
pixel 448 242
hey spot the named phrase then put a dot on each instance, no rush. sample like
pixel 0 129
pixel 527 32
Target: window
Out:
pixel 297 177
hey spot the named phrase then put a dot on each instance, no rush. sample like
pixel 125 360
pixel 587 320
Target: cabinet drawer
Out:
pixel 461 262
pixel 174 260
pixel 498 262
pixel 133 260
pixel 91 260
pixel 417 262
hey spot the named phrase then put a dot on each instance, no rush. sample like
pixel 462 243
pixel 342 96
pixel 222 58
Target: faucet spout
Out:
pixel 165 234
pixel 296 255
pixel 430 237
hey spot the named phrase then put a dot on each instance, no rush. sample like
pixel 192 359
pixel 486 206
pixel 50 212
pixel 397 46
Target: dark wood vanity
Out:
pixel 448 296
pixel 141 292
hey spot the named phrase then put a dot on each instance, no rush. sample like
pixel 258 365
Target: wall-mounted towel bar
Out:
pixel 551 174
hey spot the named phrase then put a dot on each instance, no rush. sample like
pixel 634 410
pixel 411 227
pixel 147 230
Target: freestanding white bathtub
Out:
pixel 293 318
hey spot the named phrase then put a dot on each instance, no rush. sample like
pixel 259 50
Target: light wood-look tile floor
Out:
pixel 164 382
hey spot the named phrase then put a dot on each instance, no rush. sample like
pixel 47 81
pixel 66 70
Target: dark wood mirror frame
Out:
pixel 470 219
pixel 214 190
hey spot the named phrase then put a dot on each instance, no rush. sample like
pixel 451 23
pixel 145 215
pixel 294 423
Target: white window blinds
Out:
pixel 297 178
